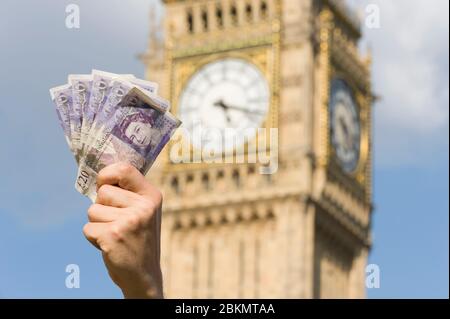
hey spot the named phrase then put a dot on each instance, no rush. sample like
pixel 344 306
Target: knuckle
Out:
pixel 134 221
pixel 116 232
pixel 91 211
pixel 103 191
pixel 153 192
pixel 101 175
pixel 125 169
pixel 154 200
pixel 148 206
pixel 86 230
pixel 146 210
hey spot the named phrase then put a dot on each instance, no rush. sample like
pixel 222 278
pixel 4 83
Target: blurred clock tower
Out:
pixel 228 230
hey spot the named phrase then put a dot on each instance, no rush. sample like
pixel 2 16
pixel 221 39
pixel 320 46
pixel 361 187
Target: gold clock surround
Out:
pixel 263 54
pixel 332 39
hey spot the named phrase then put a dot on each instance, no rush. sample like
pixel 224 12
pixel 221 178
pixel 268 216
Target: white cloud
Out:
pixel 411 75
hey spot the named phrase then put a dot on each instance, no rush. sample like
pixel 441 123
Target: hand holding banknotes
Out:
pixel 125 224
pixel 116 126
pixel 109 118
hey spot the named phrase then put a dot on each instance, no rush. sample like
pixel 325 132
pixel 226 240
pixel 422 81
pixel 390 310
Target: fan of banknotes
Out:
pixel 107 118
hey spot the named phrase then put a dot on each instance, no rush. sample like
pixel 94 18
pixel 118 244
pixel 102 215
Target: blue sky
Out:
pixel 41 215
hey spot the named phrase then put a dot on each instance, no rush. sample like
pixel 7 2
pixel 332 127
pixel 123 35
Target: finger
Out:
pixel 98 213
pixel 128 177
pixel 93 231
pixel 113 196
pixel 124 175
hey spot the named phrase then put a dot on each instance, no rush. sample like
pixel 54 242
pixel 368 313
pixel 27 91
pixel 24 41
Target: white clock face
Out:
pixel 229 95
pixel 345 126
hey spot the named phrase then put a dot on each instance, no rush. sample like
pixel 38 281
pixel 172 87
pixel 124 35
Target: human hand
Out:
pixel 125 224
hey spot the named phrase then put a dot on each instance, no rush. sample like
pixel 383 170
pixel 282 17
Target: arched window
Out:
pixel 219 16
pixel 190 21
pixel 264 9
pixel 248 12
pixel 234 14
pixel 236 178
pixel 175 185
pixel 205 181
pixel 205 20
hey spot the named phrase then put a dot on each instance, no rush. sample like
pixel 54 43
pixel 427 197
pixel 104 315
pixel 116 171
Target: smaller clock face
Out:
pixel 345 125
pixel 229 94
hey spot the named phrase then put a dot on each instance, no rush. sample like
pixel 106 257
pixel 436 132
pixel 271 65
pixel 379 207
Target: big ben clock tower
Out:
pixel 230 229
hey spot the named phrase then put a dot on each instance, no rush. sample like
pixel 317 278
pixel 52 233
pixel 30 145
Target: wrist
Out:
pixel 150 293
pixel 147 288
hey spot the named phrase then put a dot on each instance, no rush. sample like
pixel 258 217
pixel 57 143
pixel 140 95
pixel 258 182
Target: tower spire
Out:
pixel 154 30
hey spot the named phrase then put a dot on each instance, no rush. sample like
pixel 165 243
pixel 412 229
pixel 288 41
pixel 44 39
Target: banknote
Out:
pixel 101 89
pixel 81 90
pixel 62 98
pixel 99 92
pixel 136 130
pixel 119 87
pixel 151 87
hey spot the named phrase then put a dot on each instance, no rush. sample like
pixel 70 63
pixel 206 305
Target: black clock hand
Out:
pixel 240 109
pixel 229 107
pixel 221 104
pixel 347 136
pixel 225 109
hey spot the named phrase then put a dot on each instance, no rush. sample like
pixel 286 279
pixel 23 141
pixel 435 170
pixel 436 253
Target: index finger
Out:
pixel 123 175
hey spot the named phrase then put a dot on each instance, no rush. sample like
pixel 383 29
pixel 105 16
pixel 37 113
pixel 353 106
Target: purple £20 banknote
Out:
pixel 62 98
pixel 135 130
